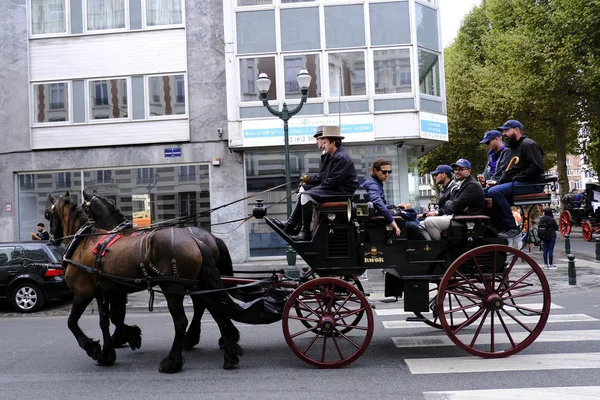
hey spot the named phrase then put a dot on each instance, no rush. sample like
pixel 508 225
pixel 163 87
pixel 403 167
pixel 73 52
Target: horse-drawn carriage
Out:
pixel 584 209
pixel 492 300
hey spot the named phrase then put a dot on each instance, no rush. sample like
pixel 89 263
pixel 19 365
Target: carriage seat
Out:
pixel 334 201
pixel 468 226
pixel 532 199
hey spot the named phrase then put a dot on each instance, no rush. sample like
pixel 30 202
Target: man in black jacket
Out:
pixel 338 177
pixel 466 199
pixel 442 176
pixel 522 163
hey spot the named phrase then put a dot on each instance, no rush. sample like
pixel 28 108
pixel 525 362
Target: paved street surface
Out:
pixel 406 360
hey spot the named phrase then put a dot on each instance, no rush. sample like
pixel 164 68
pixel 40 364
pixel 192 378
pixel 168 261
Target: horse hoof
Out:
pixel 108 357
pixel 170 366
pixel 135 338
pixel 93 349
pixel 231 364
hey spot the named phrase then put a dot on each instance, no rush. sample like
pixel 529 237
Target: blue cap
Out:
pixel 443 168
pixel 511 123
pixel 489 135
pixel 463 163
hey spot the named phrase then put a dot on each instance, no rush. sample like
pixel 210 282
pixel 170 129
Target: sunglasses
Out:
pixel 386 172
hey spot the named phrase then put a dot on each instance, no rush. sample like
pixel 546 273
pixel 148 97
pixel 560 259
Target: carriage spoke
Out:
pixel 518 321
pixel 505 328
pixel 478 330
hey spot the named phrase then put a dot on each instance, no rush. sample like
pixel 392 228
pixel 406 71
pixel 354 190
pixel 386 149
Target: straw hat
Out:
pixel 331 132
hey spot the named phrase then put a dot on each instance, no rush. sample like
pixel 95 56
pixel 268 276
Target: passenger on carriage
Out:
pixel 292 225
pixel 525 168
pixel 380 172
pixel 442 176
pixel 493 142
pixel 337 178
pixel 466 199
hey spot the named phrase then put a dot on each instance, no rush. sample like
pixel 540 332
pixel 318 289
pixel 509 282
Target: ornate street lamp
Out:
pixel 263 83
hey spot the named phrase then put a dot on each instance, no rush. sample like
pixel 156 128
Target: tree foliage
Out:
pixel 537 61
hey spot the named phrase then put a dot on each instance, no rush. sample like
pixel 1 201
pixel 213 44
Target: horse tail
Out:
pixel 224 263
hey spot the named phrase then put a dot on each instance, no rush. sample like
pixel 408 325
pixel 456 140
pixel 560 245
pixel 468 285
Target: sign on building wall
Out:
pixel 269 132
pixel 434 126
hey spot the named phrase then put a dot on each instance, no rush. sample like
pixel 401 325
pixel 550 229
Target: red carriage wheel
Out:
pixel 564 222
pixel 324 329
pixel 506 307
pixel 587 230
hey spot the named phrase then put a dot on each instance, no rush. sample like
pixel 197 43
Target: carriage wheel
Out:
pixel 564 223
pixel 317 331
pixel 506 310
pixel 587 230
pixel 432 318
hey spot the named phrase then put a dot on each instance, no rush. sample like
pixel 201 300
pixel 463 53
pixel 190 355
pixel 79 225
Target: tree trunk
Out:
pixel 560 134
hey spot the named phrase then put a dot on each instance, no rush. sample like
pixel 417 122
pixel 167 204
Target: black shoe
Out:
pixel 280 225
pixel 303 236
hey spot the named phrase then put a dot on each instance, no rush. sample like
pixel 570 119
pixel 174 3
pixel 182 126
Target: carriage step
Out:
pixel 416 319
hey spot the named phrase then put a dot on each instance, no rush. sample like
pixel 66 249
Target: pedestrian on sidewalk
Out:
pixel 547 233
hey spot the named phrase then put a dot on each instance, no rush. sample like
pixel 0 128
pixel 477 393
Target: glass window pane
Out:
pixel 105 14
pixel 391 69
pixel 295 1
pixel 249 70
pixel 48 16
pixel 163 12
pixel 292 65
pixel 166 95
pixel 300 29
pixel 347 74
pixel 108 99
pixel 256 32
pixel 390 23
pixel 427 27
pixel 429 73
pixel 344 26
pixel 51 102
pixel 242 3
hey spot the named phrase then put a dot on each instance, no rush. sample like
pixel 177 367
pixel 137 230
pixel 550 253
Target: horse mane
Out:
pixel 113 210
pixel 75 209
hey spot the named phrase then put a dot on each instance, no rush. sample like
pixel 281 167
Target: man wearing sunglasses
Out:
pixel 466 199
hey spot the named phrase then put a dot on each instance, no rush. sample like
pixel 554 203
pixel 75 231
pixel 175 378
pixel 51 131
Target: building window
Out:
pixel 108 99
pixel 347 74
pixel 242 3
pixel 104 177
pixel 577 185
pixel 292 65
pixel 392 71
pixel 390 23
pixel 63 180
pixel 48 16
pixel 163 12
pixel 187 204
pixel 51 102
pixel 26 182
pixel 168 95
pixel 249 70
pixel 187 173
pixel 105 14
pixel 427 27
pixel 344 26
pixel 256 32
pixel 429 73
pixel 300 29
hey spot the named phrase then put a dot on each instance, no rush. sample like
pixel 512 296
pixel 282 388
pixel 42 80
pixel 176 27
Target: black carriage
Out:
pixel 583 209
pixel 492 300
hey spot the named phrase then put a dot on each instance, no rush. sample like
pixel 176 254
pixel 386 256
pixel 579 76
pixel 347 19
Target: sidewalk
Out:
pixel 587 269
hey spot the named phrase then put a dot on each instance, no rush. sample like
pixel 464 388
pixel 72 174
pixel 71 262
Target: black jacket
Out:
pixel 337 178
pixel 530 167
pixel 315 179
pixel 445 195
pixel 551 226
pixel 467 199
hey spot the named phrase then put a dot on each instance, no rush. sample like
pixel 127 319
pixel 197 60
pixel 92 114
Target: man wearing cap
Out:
pixel 442 176
pixel 338 177
pixel 466 199
pixel 292 226
pixel 524 161
pixel 493 141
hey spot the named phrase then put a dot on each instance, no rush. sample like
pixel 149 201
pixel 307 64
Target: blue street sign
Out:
pixel 172 151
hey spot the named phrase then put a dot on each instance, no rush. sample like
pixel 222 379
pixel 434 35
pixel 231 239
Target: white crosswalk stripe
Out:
pixel 399 311
pixel 571 393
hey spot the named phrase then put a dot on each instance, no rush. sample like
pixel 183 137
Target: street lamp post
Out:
pixel 263 83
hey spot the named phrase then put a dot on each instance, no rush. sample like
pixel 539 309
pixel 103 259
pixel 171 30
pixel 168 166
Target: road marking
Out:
pixel 533 362
pixel 399 311
pixel 571 393
pixel 508 321
pixel 546 336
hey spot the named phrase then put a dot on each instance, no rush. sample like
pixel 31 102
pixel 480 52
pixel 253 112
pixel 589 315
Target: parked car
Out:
pixel 30 274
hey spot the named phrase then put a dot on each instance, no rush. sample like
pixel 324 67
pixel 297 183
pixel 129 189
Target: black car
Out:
pixel 30 274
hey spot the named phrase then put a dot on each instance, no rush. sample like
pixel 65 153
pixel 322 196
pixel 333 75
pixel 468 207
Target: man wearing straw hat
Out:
pixel 338 177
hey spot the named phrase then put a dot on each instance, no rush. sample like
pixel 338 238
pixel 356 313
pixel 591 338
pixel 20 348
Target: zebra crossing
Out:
pixel 394 320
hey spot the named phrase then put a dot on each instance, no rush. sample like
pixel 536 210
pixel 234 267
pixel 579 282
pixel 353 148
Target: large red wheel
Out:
pixel 506 307
pixel 321 324
pixel 587 231
pixel 564 223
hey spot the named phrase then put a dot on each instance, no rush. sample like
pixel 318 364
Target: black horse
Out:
pixel 106 215
pixel 169 258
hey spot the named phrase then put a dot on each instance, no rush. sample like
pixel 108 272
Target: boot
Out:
pixel 291 225
pixel 305 234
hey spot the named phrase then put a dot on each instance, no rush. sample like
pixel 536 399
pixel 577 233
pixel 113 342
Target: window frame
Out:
pixel 280 66
pixel 336 98
pixel 406 95
pixel 148 96
pixel 67 31
pixel 87 31
pixel 88 105
pixel 145 25
pixel 253 103
pixel 69 102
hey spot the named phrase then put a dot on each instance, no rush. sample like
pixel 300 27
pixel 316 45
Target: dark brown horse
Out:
pixel 106 215
pixel 169 258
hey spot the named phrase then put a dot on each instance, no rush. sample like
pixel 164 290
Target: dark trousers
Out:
pixel 548 246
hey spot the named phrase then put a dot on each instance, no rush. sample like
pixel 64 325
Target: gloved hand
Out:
pixel 304 179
